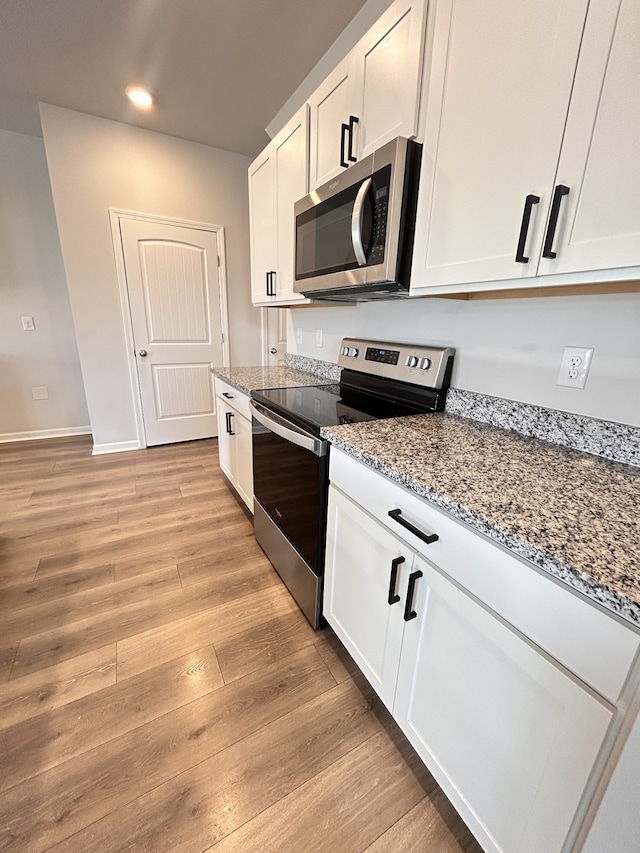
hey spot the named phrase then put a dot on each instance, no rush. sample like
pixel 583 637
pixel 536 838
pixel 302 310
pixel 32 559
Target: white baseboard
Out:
pixel 43 433
pixel 114 447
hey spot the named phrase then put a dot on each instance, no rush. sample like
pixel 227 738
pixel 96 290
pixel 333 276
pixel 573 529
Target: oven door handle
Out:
pixel 280 426
pixel 356 223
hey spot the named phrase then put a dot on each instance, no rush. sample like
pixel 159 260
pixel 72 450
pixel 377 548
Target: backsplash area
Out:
pixel 327 369
pixel 618 442
pixel 507 348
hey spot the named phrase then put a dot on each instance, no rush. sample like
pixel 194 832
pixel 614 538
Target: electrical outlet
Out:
pixel 41 392
pixel 318 337
pixel 574 366
pixel 299 335
pixel 28 325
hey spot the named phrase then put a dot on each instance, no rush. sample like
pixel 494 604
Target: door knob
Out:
pixel 273 351
pixel 142 353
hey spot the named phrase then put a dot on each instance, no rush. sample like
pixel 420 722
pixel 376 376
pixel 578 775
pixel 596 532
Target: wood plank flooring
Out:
pixel 160 690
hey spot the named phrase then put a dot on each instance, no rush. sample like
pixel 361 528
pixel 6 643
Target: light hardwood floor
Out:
pixel 159 689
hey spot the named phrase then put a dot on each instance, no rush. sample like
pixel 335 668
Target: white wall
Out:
pixel 95 164
pixel 32 283
pixel 505 347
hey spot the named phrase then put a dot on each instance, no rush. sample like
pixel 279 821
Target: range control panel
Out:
pixel 429 366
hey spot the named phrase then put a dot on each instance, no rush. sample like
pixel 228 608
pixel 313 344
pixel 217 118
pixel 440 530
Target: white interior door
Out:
pixel 274 336
pixel 174 285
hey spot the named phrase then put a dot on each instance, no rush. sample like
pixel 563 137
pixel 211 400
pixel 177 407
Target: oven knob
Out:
pixel 353 352
pixel 425 363
pixel 412 361
pixel 345 350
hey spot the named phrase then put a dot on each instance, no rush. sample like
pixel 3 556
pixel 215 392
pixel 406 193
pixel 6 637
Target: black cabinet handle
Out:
pixel 228 395
pixel 529 202
pixel 396 515
pixel 353 121
pixel 558 193
pixel 344 130
pixel 392 598
pixel 228 416
pixel 409 612
pixel 271 290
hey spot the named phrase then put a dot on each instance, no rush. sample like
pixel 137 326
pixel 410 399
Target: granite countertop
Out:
pixel 247 379
pixel 575 515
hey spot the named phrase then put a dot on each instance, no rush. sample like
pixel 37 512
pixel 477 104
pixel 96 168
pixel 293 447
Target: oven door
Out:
pixel 290 482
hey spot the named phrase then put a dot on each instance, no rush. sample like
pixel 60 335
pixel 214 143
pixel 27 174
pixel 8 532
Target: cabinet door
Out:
pixel 508 734
pixel 599 222
pixel 360 560
pixel 262 223
pixel 499 90
pixel 243 473
pixel 331 105
pixel 389 73
pixel 291 152
pixel 226 445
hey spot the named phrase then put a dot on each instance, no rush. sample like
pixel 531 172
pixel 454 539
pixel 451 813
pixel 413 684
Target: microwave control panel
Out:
pixel 380 192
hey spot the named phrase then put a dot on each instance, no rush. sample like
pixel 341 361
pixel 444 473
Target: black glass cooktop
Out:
pixel 313 407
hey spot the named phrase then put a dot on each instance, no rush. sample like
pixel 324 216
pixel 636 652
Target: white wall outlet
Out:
pixel 298 334
pixel 318 337
pixel 28 325
pixel 574 366
pixel 41 392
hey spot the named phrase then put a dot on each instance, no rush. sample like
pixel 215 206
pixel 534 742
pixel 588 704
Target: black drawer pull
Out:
pixel 409 612
pixel 228 416
pixel 396 515
pixel 344 130
pixel 392 597
pixel 228 395
pixel 353 121
pixel 529 202
pixel 558 193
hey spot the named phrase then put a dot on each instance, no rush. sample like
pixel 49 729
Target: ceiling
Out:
pixel 220 69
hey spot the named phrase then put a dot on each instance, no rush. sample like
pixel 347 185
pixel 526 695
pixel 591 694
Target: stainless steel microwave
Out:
pixel 354 234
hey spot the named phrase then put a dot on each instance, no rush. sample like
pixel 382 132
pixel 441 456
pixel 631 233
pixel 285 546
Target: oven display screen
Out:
pixel 386 356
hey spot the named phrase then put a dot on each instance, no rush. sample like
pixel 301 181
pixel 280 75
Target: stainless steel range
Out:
pixel 290 458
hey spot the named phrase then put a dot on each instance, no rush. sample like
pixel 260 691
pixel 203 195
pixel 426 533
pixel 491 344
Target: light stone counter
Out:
pixel 575 515
pixel 247 379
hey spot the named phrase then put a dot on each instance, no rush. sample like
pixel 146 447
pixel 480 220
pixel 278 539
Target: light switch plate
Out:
pixel 28 325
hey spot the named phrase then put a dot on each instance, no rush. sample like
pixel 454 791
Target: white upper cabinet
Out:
pixel 372 96
pixel 277 179
pixel 262 224
pixel 528 163
pixel 332 105
pixel 599 220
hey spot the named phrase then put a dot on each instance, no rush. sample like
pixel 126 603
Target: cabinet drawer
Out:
pixel 587 641
pixel 234 398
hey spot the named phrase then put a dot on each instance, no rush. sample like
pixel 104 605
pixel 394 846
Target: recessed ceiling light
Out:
pixel 140 97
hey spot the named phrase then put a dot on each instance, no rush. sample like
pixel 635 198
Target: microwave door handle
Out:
pixel 280 427
pixel 356 223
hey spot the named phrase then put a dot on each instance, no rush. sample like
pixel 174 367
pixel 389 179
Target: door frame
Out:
pixel 115 215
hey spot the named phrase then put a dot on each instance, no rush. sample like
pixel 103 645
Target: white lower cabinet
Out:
pixel 509 735
pixel 512 735
pixel 366 567
pixel 235 444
